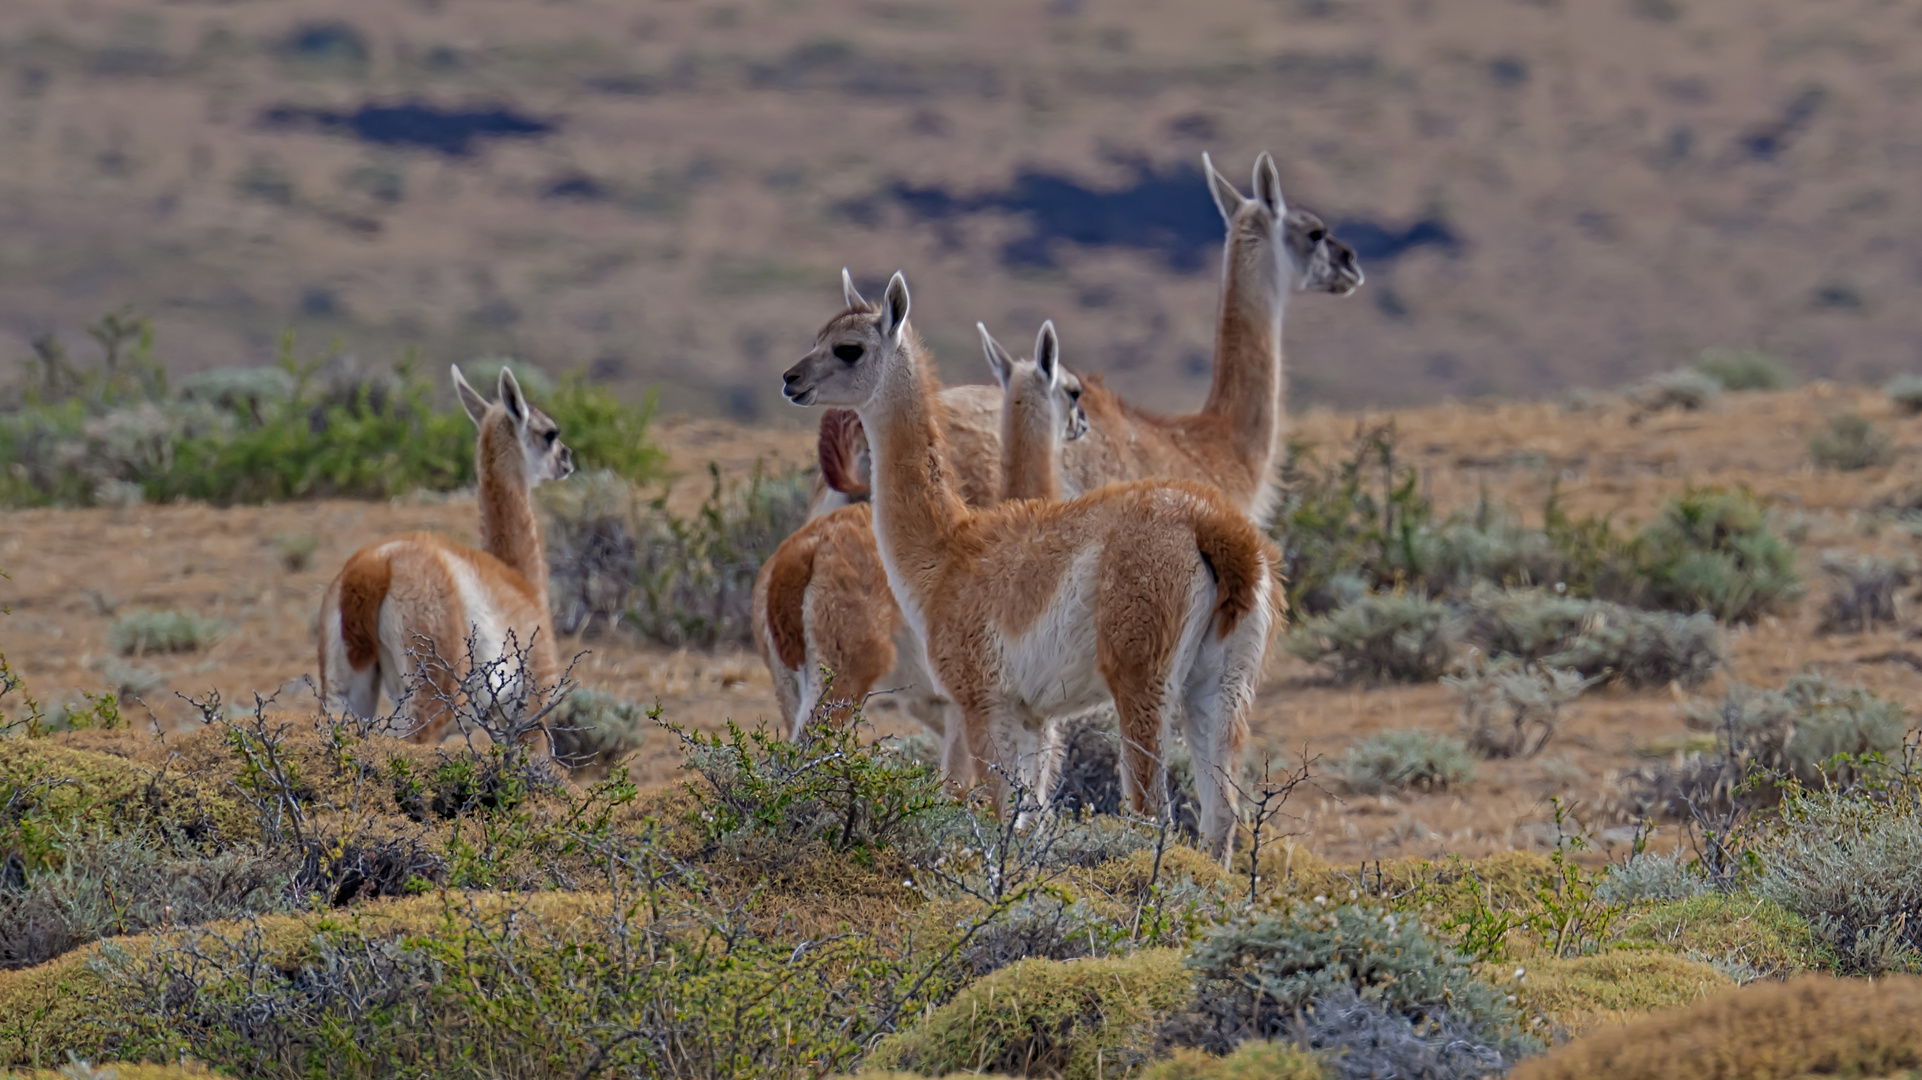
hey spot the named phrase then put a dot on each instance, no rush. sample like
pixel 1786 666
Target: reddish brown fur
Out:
pixel 822 598
pixel 363 587
pixel 838 448
pixel 789 570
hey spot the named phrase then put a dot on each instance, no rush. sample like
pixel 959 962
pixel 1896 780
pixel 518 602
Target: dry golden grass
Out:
pixel 1812 1025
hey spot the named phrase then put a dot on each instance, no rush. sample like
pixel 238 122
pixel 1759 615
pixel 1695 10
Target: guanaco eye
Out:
pixel 552 435
pixel 1316 236
pixel 847 353
pixel 1075 393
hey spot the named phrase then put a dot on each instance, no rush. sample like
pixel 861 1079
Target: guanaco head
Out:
pixel 853 350
pixel 533 431
pixel 1307 255
pixel 1038 389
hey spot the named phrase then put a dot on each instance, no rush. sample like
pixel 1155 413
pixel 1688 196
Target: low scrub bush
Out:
pixel 1594 638
pixel 1649 876
pixel 296 550
pixel 1849 443
pixel 1272 976
pixel 1744 369
pixel 1863 592
pixel 1906 392
pixel 1393 637
pixel 1713 551
pixel 1350 526
pixel 1510 707
pixel 1394 760
pixel 1076 1019
pixel 1736 932
pixel 594 729
pixel 1852 866
pixel 1686 389
pixel 140 632
pixel 1812 1025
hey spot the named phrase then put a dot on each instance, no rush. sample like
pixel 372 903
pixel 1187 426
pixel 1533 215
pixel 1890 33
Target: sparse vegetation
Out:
pixel 1594 638
pixel 1864 592
pixel 1393 760
pixel 1393 637
pixel 1851 442
pixel 1511 708
pixel 1688 389
pixel 1906 392
pixel 296 550
pixel 138 633
pixel 1745 369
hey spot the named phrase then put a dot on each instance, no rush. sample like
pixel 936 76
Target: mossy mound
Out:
pixel 1250 1061
pixel 1812 1025
pixel 116 1070
pixel 1585 992
pixel 1074 1019
pixel 73 790
pixel 1738 930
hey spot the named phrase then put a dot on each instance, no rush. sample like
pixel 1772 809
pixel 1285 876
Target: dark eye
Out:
pixel 1316 236
pixel 847 353
pixel 552 435
pixel 1075 393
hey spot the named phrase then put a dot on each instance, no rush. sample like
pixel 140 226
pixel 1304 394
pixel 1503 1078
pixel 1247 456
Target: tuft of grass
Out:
pixel 1581 993
pixel 1744 369
pixel 1394 760
pixel 1687 389
pixel 1075 1019
pixel 1812 1025
pixel 138 633
pixel 1394 637
pixel 296 550
pixel 1906 392
pixel 1850 443
pixel 1737 930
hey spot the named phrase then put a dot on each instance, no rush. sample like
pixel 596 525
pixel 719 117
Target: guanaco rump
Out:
pixel 822 600
pixel 414 601
pixel 1272 251
pixel 1155 595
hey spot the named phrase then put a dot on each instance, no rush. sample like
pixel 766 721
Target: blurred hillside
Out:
pixel 1545 193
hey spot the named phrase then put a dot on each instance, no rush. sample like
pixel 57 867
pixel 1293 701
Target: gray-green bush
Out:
pixel 1850 442
pixel 1389 637
pixel 1598 639
pixel 1687 389
pixel 1906 392
pixel 1863 592
pixel 147 631
pixel 593 728
pixel 1852 866
pixel 1511 707
pixel 1744 369
pixel 1393 760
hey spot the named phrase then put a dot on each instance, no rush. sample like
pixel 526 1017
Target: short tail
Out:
pixel 1238 557
pixel 363 588
pixel 792 567
pixel 840 449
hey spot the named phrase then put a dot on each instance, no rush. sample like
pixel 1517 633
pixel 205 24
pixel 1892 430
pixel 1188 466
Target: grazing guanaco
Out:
pixel 1157 596
pixel 414 601
pixel 822 600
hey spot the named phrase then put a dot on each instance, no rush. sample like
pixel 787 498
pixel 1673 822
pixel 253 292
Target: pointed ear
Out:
pixel 1268 185
pixel 510 396
pixel 1227 199
pixel 851 294
pixel 470 398
pixel 1047 354
pixel 894 307
pixel 998 359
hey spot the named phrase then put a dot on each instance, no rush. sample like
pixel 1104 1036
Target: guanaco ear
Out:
pixel 1268 186
pixel 470 398
pixel 1227 199
pixel 894 307
pixel 998 359
pixel 1047 354
pixel 510 396
pixel 851 294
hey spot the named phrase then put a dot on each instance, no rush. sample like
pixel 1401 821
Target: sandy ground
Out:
pixel 73 571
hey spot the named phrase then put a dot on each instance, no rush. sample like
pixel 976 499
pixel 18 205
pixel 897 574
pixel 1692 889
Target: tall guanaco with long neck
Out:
pixel 821 601
pixel 1272 251
pixel 415 601
pixel 1157 596
pixel 1039 398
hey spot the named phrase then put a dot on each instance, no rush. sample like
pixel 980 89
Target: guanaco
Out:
pixel 412 603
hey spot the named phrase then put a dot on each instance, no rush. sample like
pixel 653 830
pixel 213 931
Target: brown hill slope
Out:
pixel 1545 192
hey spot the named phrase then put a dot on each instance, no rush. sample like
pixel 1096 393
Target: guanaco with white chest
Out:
pixel 415 601
pixel 1157 596
pixel 822 599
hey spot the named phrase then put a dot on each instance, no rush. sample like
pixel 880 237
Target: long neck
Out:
pixel 916 506
pixel 509 530
pixel 1030 449
pixel 1247 386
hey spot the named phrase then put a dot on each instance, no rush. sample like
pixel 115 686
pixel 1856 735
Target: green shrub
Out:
pixel 592 557
pixel 1075 1019
pixel 1744 369
pixel 1906 392
pixel 1687 389
pixel 697 574
pixel 595 729
pixel 296 550
pixel 140 632
pixel 1652 877
pixel 1255 978
pixel 1395 637
pixel 1510 707
pixel 1598 639
pixel 1393 760
pixel 1736 932
pixel 1852 866
pixel 1851 443
pixel 1813 730
pixel 1351 526
pixel 1713 551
